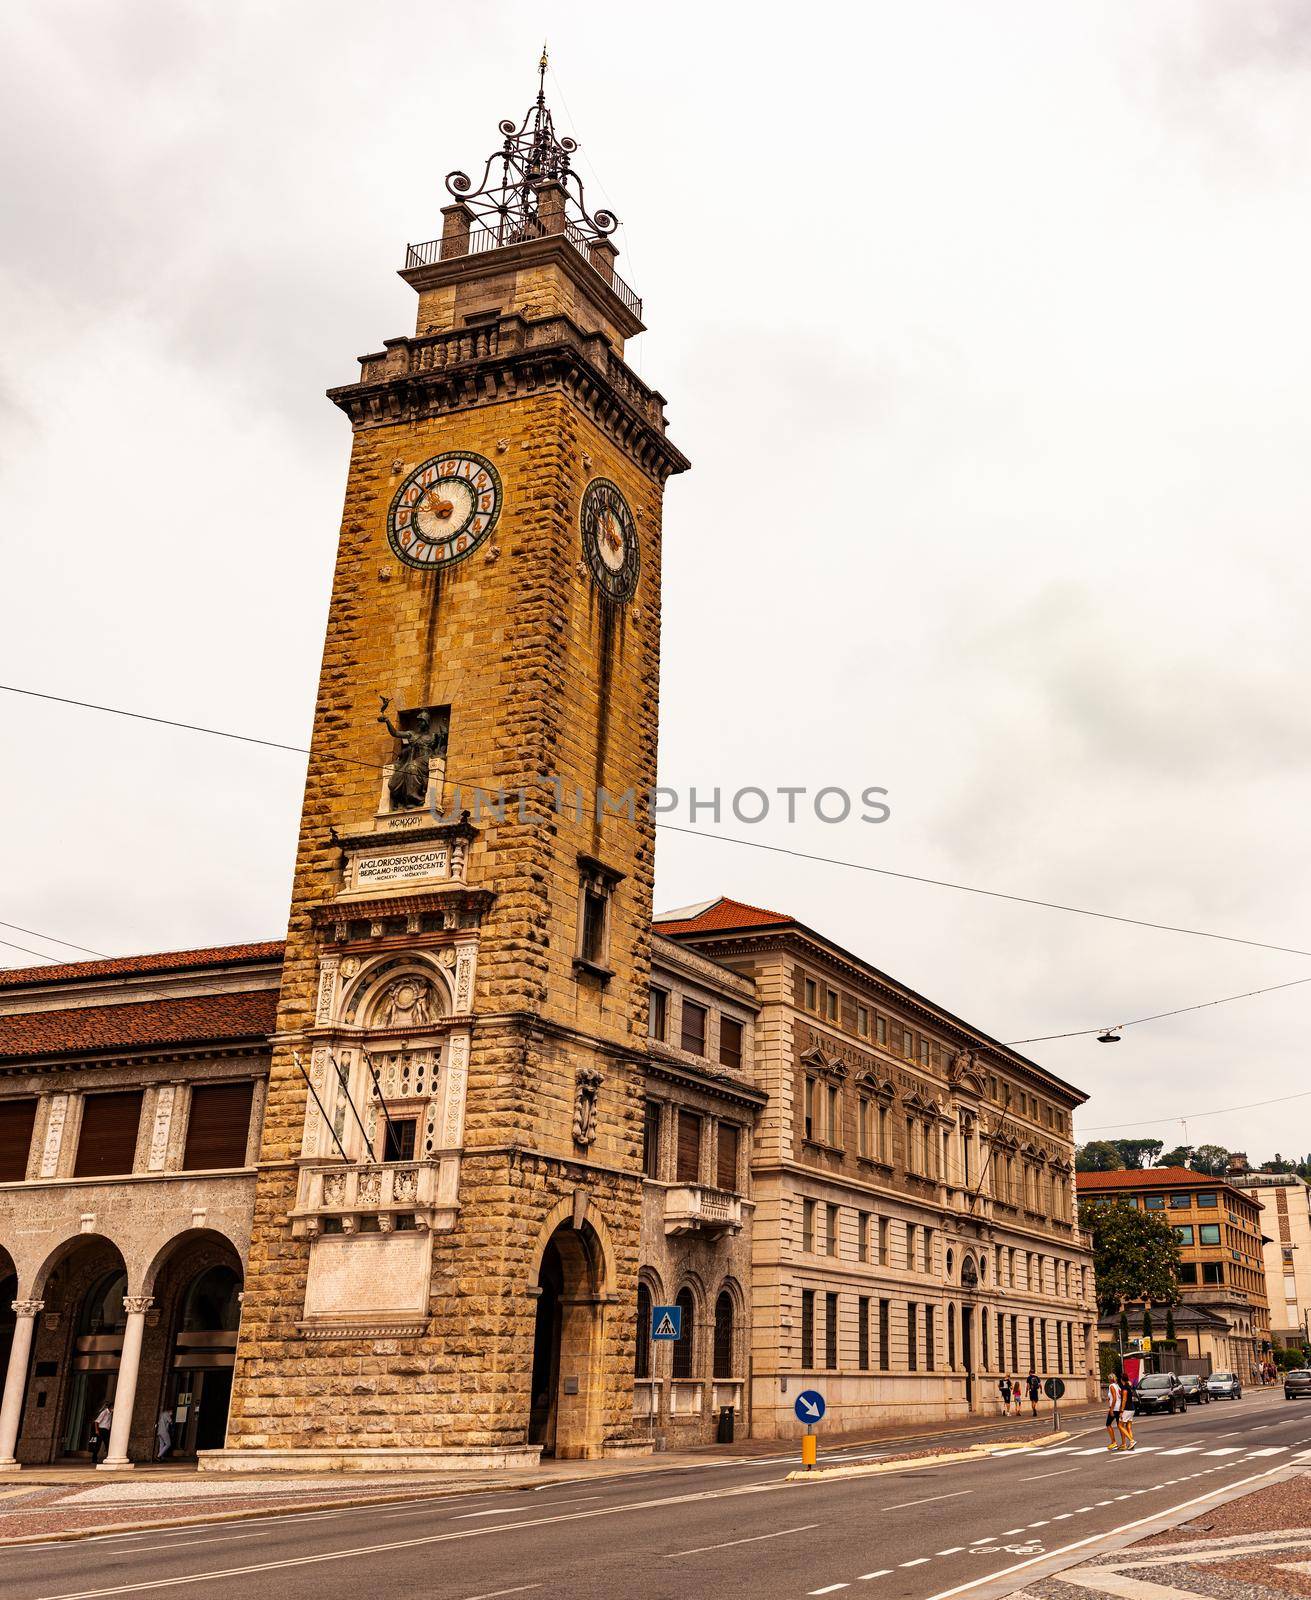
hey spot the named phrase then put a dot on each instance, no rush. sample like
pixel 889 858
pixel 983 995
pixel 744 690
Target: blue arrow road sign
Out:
pixel 666 1322
pixel 809 1405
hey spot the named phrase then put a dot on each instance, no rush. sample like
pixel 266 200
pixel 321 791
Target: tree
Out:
pixel 1135 1255
pixel 1277 1164
pixel 1180 1156
pixel 1138 1153
pixel 1098 1155
pixel 1169 1326
pixel 1147 1322
pixel 1211 1159
pixel 1124 1330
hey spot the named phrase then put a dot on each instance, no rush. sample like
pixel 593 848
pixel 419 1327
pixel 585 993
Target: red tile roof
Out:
pixel 1146 1178
pixel 86 1030
pixel 226 955
pixel 722 914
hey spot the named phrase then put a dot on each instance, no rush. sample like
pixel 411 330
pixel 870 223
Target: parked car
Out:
pixel 1297 1383
pixel 1195 1390
pixel 1160 1391
pixel 1225 1386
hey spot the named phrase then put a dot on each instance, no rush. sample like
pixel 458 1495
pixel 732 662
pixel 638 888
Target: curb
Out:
pixel 977 1452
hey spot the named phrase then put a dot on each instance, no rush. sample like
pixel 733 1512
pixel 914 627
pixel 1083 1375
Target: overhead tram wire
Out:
pixel 1179 1011
pixel 50 939
pixel 730 838
pixel 1194 1116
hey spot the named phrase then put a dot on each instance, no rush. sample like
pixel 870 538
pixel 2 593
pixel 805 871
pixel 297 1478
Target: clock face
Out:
pixel 444 510
pixel 610 539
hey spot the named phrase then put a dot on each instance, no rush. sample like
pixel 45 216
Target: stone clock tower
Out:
pixel 444 1262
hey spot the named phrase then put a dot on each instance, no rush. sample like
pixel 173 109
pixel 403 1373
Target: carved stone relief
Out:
pixel 587 1087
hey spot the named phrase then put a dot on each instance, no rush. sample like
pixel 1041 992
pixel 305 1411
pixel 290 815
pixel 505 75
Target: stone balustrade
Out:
pixel 695 1208
pixel 376 1197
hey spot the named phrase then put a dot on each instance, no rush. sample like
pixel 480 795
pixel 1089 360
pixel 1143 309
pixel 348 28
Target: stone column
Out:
pixel 11 1407
pixel 125 1394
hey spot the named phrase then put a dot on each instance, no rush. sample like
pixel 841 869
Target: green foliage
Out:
pixel 1147 1322
pixel 1169 1326
pixel 1098 1155
pixel 1108 1360
pixel 1211 1159
pixel 1124 1330
pixel 1138 1154
pixel 1135 1255
pixel 1285 1359
pixel 1180 1156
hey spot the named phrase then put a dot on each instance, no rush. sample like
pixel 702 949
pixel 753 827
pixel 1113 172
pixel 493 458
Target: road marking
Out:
pixel 728 1543
pixel 1226 1450
pixel 1183 1450
pixel 919 1561
pixel 1270 1450
pixel 902 1504
pixel 1009 1531
pixel 829 1588
pixel 1061 1516
pixel 1093 1538
pixel 1041 1524
pixel 881 1573
pixel 951 1550
pixel 1059 1473
pixel 491 1594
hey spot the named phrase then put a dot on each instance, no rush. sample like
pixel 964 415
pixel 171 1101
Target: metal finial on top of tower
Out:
pixel 533 155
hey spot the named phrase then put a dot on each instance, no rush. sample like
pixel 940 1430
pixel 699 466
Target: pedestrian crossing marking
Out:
pixel 1270 1450
pixel 1226 1450
pixel 1183 1450
pixel 664 1329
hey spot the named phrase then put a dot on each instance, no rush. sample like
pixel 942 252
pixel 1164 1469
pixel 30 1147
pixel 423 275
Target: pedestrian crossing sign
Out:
pixel 666 1322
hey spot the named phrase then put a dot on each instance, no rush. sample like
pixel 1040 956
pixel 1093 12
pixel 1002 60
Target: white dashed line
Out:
pixel 881 1573
pixel 919 1561
pixel 830 1588
pixel 951 1550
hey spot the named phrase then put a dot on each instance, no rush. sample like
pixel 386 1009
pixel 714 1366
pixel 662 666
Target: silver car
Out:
pixel 1225 1386
pixel 1297 1383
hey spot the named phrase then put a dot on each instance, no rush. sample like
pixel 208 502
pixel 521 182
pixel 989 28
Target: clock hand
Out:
pixel 440 508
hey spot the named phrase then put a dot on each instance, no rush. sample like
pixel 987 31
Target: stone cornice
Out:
pixel 455 897
pixel 238 1049
pixel 725 1088
pixel 438 373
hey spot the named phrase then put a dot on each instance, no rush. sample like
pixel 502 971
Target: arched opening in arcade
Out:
pixel 184 1398
pixel 565 1402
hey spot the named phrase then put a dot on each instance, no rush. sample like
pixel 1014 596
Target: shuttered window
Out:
pixel 726 1156
pixel 108 1139
pixel 218 1126
pixel 17 1118
pixel 689 1148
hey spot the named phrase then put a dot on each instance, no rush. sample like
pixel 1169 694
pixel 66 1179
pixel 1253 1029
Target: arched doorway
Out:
pixel 97 1352
pixel 565 1402
pixel 969 1282
pixel 722 1365
pixel 198 1384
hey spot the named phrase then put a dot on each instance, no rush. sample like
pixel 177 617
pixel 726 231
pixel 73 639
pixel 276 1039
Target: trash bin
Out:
pixel 724 1433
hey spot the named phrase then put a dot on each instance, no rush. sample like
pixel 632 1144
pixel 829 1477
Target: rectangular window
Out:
pixel 218 1126
pixel 658 1014
pixel 862 1235
pixel 1015 1345
pixel 907 1043
pixel 1180 1202
pixel 730 1042
pixel 807 1327
pixel 398 1139
pixel 834 1130
pixel 1207 1200
pixel 726 1147
pixel 830 1005
pixel 910 1247
pixel 925 1052
pixel 108 1140
pixel 885 1145
pixel 831 1331
pixel 808 1226
pixel 810 1108
pixel 863 1110
pixel 1184 1233
pixel 1044 1344
pixel 912 1337
pixel 830 1230
pixel 880 1030
pixel 928 1338
pixel 812 995
pixel 1209 1233
pixel 17 1120
pixel 1213 1272
pixel 689 1148
pixel 863 1351
pixel 862 1021
pixel 885 1334
pixel 885 1236
pixel 693 1036
pixel 595 907
pixel 1154 1202
pixel 651 1139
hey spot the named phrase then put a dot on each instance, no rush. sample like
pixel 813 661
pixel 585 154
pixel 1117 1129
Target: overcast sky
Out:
pixel 986 330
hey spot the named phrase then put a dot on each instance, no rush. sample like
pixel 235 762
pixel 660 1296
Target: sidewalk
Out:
pixel 39 1503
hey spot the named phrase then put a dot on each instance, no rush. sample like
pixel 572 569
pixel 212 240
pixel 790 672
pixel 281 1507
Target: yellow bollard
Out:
pixel 809 1450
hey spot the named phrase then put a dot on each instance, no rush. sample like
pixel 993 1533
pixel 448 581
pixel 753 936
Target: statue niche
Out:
pixel 421 737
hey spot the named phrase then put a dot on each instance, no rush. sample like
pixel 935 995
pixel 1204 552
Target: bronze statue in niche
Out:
pixel 421 736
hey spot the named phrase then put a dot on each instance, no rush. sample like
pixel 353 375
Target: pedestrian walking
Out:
pixel 163 1434
pixel 1005 1387
pixel 1124 1418
pixel 1035 1389
pixel 1114 1403
pixel 104 1422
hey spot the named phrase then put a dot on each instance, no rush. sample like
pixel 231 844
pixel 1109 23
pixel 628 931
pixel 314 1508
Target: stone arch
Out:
pixel 969 1271
pixel 366 1003
pixel 46 1275
pixel 726 1350
pixel 687 1350
pixel 567 1385
pixel 592 1221
pixel 177 1243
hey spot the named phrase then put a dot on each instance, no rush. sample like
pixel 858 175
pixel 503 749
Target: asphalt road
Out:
pixel 975 1528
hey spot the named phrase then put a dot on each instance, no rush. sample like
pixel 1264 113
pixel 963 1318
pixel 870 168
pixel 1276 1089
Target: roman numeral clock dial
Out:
pixel 444 510
pixel 610 540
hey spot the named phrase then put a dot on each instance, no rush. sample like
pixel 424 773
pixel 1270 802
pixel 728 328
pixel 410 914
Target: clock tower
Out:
pixel 444 1259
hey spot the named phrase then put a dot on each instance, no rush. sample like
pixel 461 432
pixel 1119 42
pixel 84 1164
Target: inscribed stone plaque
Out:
pixel 402 867
pixel 369 1275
